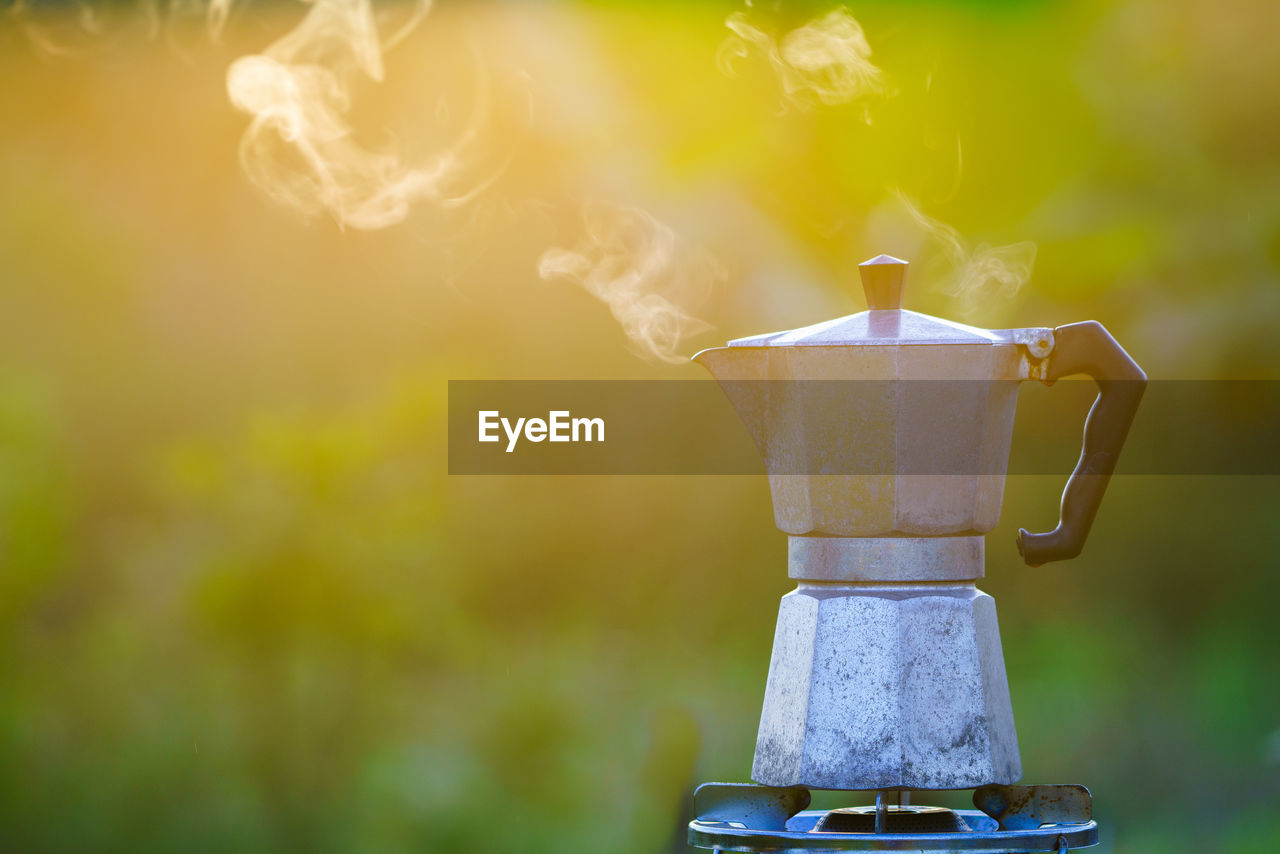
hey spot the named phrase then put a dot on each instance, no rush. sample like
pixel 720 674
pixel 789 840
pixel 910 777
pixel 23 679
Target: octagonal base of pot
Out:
pixel 876 686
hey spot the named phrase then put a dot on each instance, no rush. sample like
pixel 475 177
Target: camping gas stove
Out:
pixel 1008 820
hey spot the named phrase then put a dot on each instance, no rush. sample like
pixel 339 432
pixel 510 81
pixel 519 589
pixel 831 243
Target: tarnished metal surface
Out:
pixel 885 558
pixel 877 686
pixel 900 433
pixel 1023 807
pixel 798 838
pixel 878 441
pixel 760 807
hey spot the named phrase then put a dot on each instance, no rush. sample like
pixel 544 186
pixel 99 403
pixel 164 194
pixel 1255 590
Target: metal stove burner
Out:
pixel 1010 820
pixel 896 819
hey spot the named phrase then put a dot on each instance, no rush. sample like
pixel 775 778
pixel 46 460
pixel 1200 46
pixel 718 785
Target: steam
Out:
pixel 41 37
pixel 982 272
pixel 92 22
pixel 216 16
pixel 827 61
pixel 300 148
pixel 635 265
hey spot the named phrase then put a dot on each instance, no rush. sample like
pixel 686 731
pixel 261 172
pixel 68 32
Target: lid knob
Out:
pixel 882 278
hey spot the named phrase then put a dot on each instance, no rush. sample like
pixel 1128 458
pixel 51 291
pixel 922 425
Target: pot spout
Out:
pixel 741 372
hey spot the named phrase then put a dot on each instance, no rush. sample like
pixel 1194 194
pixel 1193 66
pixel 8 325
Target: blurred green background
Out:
pixel 244 607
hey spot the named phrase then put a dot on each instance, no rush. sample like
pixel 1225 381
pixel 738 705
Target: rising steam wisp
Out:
pixel 826 61
pixel 637 267
pixel 300 146
pixel 980 272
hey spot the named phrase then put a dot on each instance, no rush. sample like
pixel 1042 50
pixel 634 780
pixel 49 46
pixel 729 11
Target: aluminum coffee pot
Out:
pixel 886 437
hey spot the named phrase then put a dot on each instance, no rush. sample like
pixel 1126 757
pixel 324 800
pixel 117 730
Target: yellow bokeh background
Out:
pixel 244 607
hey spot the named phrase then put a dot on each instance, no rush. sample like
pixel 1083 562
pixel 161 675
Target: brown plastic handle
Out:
pixel 1088 348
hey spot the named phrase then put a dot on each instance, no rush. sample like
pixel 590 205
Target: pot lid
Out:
pixel 885 321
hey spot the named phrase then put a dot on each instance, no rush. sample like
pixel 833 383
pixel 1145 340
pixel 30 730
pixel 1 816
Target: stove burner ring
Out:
pixel 801 837
pixel 898 819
